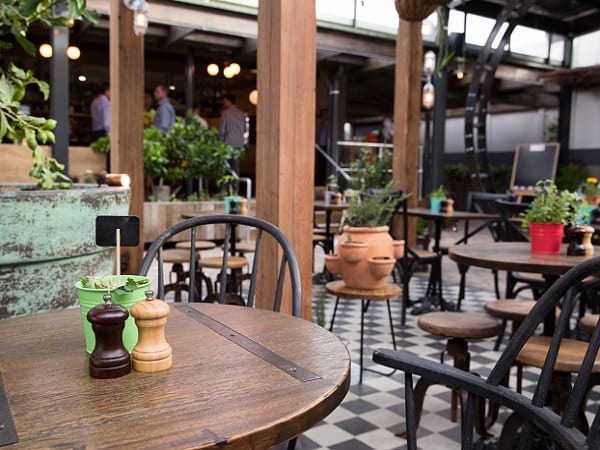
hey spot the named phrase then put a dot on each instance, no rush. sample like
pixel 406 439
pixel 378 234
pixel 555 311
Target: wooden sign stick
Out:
pixel 118 241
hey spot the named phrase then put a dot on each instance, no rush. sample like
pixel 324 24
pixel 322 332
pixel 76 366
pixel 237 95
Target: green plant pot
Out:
pixel 436 203
pixel 89 298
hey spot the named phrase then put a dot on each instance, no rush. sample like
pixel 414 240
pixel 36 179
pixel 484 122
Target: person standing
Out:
pixel 100 112
pixel 232 127
pixel 164 118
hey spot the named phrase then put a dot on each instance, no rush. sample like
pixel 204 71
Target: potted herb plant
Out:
pixel 366 253
pixel 591 190
pixel 436 197
pixel 547 215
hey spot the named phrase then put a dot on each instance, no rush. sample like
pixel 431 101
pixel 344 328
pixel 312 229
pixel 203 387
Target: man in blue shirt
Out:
pixel 100 112
pixel 165 114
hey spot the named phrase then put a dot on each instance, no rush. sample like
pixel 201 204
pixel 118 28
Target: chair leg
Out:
pixel 337 300
pixel 500 336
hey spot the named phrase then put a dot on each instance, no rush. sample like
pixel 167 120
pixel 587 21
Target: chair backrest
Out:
pixel 484 202
pixel 532 411
pixel 508 229
pixel 288 262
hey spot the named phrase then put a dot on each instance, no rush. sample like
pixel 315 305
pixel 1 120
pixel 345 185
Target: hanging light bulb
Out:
pixel 235 69
pixel 429 63
pixel 45 50
pixel 460 68
pixel 228 72
pixel 140 21
pixel 212 69
pixel 73 52
pixel 253 97
pixel 428 97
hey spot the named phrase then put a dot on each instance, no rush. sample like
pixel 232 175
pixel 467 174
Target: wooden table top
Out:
pixel 514 256
pixel 427 213
pixel 241 378
pixel 319 205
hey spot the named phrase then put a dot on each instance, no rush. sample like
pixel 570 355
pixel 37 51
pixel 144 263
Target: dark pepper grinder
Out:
pixel 110 359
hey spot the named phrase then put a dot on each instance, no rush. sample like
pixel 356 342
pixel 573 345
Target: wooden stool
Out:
pixel 178 257
pixel 458 327
pixel 588 323
pixel 339 289
pixel 235 264
pixel 508 309
pixel 244 246
pixel 200 245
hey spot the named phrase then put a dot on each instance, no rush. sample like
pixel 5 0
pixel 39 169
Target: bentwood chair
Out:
pixel 266 235
pixel 549 415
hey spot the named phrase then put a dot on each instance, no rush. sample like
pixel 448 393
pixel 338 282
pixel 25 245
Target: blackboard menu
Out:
pixel 534 162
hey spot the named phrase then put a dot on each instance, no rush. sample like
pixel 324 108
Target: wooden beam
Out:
pixel 127 112
pixel 407 109
pixel 286 130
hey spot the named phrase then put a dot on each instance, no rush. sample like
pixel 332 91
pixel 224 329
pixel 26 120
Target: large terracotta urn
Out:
pixel 365 257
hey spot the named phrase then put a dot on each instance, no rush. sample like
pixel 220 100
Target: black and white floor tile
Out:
pixel 373 412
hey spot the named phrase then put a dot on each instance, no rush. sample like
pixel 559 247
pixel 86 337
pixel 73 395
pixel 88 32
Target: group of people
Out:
pixel 232 123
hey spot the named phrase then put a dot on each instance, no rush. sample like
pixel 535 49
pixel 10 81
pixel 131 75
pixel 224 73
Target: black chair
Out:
pixel 408 264
pixel 288 261
pixel 481 202
pixel 531 418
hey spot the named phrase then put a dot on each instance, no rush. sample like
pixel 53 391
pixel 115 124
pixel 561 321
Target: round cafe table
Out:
pixel 517 257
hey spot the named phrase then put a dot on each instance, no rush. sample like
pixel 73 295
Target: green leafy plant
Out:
pixel 371 170
pixel 111 284
pixel 552 205
pixel 101 145
pixel 373 208
pixel 590 187
pixel 16 16
pixel 439 193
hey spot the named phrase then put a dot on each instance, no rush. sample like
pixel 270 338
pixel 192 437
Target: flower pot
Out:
pixel 354 251
pixel 546 237
pixel 375 244
pixel 90 297
pixel 436 204
pixel 161 192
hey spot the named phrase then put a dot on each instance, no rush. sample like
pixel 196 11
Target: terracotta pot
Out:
pixel 354 251
pixel 546 237
pixel 375 244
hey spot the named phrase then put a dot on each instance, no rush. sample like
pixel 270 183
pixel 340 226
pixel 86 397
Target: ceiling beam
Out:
pixel 177 33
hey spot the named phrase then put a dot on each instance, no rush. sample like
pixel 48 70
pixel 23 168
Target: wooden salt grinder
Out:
pixel 110 359
pixel 152 353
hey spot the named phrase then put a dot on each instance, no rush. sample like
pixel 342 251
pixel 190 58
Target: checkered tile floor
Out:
pixel 373 411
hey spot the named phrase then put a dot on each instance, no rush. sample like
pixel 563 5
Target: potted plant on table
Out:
pixel 366 253
pixel 436 198
pixel 547 215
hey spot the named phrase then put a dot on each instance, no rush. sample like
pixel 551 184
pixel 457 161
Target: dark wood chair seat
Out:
pixel 216 262
pixel 509 309
pixel 200 245
pixel 588 323
pixel 176 255
pixel 570 354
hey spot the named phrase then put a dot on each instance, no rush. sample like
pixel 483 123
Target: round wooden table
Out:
pixel 241 378
pixel 517 257
pixel 340 290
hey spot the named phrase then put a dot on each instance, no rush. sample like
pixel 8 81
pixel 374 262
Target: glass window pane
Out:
pixel 479 28
pixel 456 22
pixel 340 11
pixel 529 41
pixel 585 50
pixel 380 15
pixel 557 48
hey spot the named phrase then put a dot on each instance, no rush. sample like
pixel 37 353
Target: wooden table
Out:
pixel 517 257
pixel 241 378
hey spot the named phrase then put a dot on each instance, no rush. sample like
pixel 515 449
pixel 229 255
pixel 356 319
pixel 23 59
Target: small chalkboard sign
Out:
pixel 534 162
pixel 107 226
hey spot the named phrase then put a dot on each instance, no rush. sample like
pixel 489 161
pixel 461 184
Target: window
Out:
pixel 585 50
pixel 529 41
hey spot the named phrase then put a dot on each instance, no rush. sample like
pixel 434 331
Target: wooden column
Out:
pixel 407 95
pixel 285 131
pixel 127 112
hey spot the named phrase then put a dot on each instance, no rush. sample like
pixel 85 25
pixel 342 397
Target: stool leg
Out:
pixel 363 309
pixel 391 323
pixel 337 300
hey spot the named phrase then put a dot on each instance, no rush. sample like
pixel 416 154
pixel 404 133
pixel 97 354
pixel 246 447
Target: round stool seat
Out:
pixel 176 255
pixel 459 325
pixel 245 246
pixel 588 323
pixel 200 245
pixel 570 354
pixel 216 262
pixel 509 309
